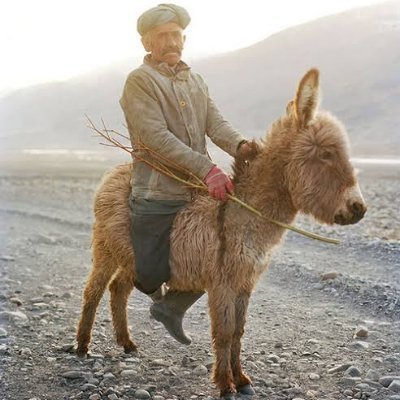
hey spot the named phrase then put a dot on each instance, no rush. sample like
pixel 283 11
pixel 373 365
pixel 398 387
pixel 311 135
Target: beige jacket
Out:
pixel 170 111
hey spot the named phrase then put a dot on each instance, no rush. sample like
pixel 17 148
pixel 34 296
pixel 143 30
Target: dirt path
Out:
pixel 299 327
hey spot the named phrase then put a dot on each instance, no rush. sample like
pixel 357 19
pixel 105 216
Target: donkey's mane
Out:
pixel 241 162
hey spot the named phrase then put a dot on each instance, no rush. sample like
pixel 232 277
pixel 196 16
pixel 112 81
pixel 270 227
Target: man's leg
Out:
pixel 150 231
pixel 150 239
pixel 171 310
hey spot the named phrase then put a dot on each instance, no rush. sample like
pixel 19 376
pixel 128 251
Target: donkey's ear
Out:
pixel 307 97
pixel 290 108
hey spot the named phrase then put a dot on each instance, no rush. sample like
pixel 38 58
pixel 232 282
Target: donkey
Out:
pixel 301 166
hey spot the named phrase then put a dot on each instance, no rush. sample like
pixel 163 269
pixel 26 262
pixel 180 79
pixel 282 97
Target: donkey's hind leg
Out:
pixel 101 273
pixel 120 288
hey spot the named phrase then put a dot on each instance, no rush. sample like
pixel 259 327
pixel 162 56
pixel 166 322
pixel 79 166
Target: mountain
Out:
pixel 357 53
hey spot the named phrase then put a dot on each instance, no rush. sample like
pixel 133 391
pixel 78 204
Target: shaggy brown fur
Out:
pixel 302 166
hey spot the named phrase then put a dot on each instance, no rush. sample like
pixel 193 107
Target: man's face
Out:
pixel 165 42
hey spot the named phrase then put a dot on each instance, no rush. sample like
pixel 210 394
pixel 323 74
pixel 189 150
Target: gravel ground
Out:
pixel 323 323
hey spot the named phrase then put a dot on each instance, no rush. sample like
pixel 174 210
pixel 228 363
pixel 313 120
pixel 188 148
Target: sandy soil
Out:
pixel 299 341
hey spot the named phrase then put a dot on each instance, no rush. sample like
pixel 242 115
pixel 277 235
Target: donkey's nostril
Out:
pixel 358 209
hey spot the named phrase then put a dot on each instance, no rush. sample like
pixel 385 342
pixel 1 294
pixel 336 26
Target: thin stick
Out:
pixel 173 163
pixel 162 168
pixel 282 224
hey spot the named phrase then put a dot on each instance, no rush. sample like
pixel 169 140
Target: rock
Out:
pixel 150 388
pixel 112 396
pixel 95 397
pixel 3 333
pixel 39 306
pixel 109 391
pixel 4 349
pixel 349 381
pixel 68 348
pixel 361 333
pixel 200 370
pixel 16 300
pixel 314 377
pixel 37 300
pixel 339 368
pixel 394 397
pixel 3 257
pixel 25 352
pixel 358 345
pixel 318 286
pixel 128 372
pixel 395 386
pixel 96 356
pixel 373 384
pixel 364 387
pixel 109 375
pixel 72 374
pixel 88 386
pixel 46 239
pixel 311 394
pixel 388 379
pixel 392 358
pixel 330 275
pixel 160 363
pixel 132 360
pixel 157 397
pixel 93 381
pixel 142 394
pixel 185 361
pixel 272 359
pixel 353 371
pixel 14 316
pixel 373 375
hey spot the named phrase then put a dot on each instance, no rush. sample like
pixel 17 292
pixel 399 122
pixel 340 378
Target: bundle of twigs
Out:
pixel 168 167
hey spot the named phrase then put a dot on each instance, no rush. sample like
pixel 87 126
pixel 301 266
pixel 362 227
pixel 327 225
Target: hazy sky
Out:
pixel 44 40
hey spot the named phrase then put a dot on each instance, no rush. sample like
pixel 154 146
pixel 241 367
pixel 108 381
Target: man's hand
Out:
pixel 245 149
pixel 218 183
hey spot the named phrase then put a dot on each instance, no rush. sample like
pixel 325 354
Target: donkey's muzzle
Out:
pixel 354 213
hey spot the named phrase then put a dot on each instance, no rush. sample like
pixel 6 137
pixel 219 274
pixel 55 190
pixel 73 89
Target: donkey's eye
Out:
pixel 326 155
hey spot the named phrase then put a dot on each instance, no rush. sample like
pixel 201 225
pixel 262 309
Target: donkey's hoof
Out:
pixel 81 351
pixel 246 390
pixel 228 396
pixel 130 348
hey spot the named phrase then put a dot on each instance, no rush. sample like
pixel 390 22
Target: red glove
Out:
pixel 218 183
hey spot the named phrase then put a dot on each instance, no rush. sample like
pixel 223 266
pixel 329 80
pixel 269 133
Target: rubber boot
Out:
pixel 159 294
pixel 171 310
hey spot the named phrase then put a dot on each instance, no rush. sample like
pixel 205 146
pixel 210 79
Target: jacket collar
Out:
pixel 180 71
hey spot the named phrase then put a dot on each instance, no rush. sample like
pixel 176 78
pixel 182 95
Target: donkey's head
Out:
pixel 320 179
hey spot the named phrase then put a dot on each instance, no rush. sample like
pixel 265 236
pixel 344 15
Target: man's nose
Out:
pixel 172 41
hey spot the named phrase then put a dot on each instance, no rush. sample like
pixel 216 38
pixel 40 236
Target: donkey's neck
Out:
pixel 265 189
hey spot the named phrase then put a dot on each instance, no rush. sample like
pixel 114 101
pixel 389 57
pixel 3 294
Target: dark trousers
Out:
pixel 151 224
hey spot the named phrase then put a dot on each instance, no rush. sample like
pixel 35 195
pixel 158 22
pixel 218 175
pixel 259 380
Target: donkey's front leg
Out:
pixel 242 381
pixel 222 311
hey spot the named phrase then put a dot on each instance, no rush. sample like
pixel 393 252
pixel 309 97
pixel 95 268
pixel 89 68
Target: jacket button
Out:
pixel 183 103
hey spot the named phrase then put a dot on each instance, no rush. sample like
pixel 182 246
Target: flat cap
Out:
pixel 162 14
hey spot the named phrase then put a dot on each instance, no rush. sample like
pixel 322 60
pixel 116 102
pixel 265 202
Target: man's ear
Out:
pixel 146 42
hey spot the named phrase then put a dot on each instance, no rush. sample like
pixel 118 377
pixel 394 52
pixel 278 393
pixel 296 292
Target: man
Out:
pixel 168 109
